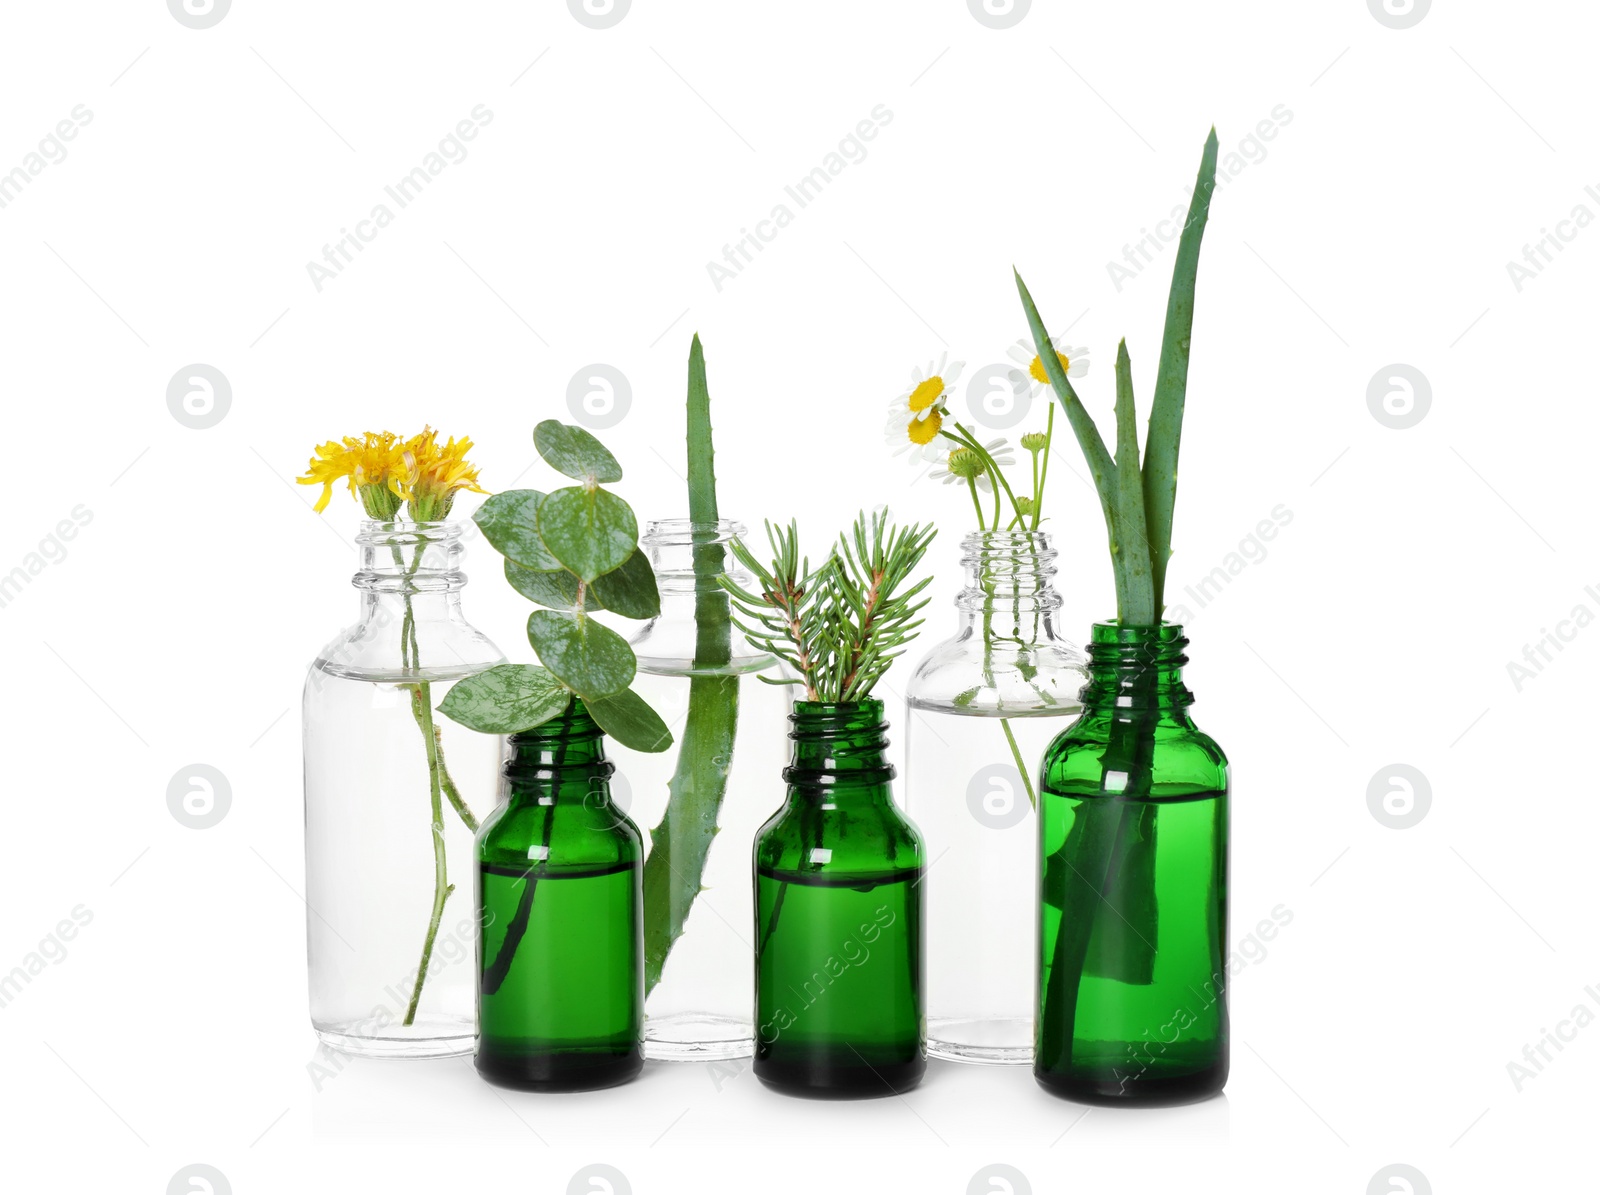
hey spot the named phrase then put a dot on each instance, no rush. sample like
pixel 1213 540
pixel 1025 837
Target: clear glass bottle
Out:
pixel 839 916
pixel 702 800
pixel 1133 885
pixel 982 708
pixel 560 962
pixel 390 792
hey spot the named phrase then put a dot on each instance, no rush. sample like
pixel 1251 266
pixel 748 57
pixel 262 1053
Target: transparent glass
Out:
pixel 981 709
pixel 839 916
pixel 1133 885
pixel 699 990
pixel 560 959
pixel 379 833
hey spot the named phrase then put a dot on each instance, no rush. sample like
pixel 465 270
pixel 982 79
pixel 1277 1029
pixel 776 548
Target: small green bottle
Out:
pixel 839 941
pixel 560 953
pixel 1133 915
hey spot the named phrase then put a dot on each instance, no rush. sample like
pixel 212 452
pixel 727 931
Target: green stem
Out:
pixel 422 710
pixel 972 486
pixel 449 785
pixel 1044 472
pixel 1022 768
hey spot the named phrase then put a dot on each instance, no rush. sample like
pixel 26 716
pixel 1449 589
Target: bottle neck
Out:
pixel 560 762
pixel 693 631
pixel 410 569
pixel 1136 668
pixel 840 751
pixel 1010 583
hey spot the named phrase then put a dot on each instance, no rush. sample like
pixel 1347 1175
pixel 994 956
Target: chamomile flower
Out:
pixel 963 463
pixel 1074 361
pixel 917 416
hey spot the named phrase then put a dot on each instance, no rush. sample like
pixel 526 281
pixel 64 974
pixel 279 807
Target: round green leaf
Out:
pixel 574 452
pixel 592 659
pixel 629 591
pixel 589 531
pixel 558 589
pixel 625 717
pixel 507 699
pixel 510 522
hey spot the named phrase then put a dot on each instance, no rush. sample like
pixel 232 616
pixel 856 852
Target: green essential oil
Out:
pixel 1133 886
pixel 560 956
pixel 839 941
pixel 839 969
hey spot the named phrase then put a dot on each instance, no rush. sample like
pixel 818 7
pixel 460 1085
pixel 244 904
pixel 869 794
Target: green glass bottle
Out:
pixel 560 952
pixel 1133 885
pixel 839 916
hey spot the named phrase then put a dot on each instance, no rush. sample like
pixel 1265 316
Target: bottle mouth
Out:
pixel 686 533
pixel 404 533
pixel 1125 646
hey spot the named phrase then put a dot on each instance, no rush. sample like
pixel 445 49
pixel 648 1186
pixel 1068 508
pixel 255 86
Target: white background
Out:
pixel 1374 229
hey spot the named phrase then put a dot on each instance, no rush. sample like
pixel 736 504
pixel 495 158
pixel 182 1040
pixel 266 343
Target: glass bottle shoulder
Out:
pixel 981 673
pixel 839 840
pixel 1184 760
pixel 559 836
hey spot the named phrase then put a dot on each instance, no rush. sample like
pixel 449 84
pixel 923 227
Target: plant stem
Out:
pixel 422 710
pixel 972 485
pixel 449 785
pixel 1022 768
pixel 1044 471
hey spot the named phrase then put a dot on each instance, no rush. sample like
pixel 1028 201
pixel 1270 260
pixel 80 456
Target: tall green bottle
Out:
pixel 839 916
pixel 1133 885
pixel 560 954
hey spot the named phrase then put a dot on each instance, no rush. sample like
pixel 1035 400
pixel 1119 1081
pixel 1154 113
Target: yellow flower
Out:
pixel 1074 361
pixel 435 475
pixel 373 466
pixel 918 414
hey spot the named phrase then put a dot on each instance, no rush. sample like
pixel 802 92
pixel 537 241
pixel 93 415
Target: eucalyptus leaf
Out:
pixel 507 699
pixel 591 659
pixel 627 719
pixel 510 522
pixel 557 589
pixel 590 531
pixel 629 590
pixel 572 451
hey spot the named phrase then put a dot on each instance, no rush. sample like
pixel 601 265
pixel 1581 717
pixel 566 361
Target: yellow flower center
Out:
pixel 927 393
pixel 1036 370
pixel 922 431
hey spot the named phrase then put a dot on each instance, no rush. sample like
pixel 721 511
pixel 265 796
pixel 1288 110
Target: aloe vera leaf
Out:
pixel 1136 606
pixel 1172 377
pixel 681 841
pixel 1101 467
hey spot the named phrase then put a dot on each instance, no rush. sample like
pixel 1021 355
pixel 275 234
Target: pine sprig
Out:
pixel 843 625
